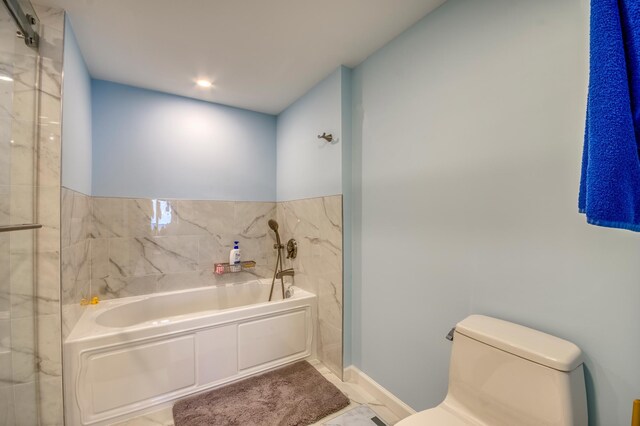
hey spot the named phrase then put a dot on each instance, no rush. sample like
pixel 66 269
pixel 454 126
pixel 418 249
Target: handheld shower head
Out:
pixel 274 226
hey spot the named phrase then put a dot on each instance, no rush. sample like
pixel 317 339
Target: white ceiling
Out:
pixel 260 54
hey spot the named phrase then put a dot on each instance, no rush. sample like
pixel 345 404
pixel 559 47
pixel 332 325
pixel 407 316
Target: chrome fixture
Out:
pixel 27 21
pixel 292 249
pixel 278 273
pixel 10 228
pixel 327 137
pixel 289 293
pixel 286 273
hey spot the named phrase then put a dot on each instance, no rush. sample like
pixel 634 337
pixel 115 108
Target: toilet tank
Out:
pixel 506 374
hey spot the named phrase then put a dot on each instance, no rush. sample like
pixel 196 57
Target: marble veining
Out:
pixel 141 246
pixel 48 208
pixel 316 224
pixel 119 247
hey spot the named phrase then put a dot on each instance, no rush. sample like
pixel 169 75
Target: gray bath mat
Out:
pixel 294 395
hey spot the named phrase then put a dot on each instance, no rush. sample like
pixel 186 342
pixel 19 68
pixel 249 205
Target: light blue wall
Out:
pixel 307 166
pixel 76 112
pixel 152 144
pixel 467 145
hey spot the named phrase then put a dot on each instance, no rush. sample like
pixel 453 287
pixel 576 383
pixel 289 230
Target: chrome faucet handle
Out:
pixel 292 249
pixel 450 334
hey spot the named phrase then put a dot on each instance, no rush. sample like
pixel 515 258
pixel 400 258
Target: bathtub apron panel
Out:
pixel 127 368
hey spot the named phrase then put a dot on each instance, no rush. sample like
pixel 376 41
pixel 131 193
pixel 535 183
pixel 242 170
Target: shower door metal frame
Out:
pixel 26 22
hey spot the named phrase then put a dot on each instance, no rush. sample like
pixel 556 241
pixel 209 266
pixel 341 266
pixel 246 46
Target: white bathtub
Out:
pixel 129 356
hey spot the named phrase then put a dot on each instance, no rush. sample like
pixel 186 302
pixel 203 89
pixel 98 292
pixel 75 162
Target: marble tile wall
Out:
pixel 142 246
pixel 75 256
pixel 48 241
pixel 316 224
pixel 119 247
pixel 30 344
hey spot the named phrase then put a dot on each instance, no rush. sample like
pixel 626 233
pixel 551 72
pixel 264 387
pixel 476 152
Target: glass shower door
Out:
pixel 18 149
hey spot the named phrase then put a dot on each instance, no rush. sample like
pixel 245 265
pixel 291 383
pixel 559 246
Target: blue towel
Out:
pixel 610 183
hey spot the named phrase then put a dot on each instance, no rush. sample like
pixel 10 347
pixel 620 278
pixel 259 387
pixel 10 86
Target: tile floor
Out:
pixel 356 394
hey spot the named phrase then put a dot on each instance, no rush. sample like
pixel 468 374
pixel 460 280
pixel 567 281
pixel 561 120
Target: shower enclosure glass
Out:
pixel 18 195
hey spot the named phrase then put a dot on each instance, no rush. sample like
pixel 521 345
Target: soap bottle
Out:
pixel 234 258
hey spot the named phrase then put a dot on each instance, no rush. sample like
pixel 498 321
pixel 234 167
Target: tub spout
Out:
pixel 286 273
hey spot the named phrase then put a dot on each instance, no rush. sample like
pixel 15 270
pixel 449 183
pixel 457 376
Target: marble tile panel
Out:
pixel 316 224
pixel 214 249
pixel 23 357
pixel 331 295
pixel 49 153
pixel 50 401
pixel 22 155
pixel 330 346
pixel 75 272
pixel 21 281
pixel 75 217
pixel 21 207
pixel 141 216
pixel 49 209
pixel 116 287
pixel 108 218
pixel 6 368
pixel 134 238
pixel 99 254
pixel 26 398
pixel 48 201
pixel 5 165
pixel 207 218
pixel 66 208
pixel 50 17
pixel 71 313
pixel 5 332
pixel 131 257
pixel 51 32
pixel 51 80
pixel 7 408
pixel 5 269
pixel 49 356
pixel 48 293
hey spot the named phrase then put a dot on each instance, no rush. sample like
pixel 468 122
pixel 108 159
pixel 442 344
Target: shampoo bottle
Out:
pixel 234 258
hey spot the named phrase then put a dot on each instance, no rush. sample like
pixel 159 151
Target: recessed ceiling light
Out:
pixel 204 83
pixel 5 78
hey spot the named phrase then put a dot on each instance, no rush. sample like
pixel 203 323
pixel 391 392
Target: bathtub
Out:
pixel 129 356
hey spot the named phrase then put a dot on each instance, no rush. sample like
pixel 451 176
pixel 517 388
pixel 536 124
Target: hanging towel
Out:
pixel 610 182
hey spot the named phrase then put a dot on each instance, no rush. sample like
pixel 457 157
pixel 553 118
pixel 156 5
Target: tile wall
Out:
pixel 48 323
pixel 316 224
pixel 30 321
pixel 119 247
pixel 18 186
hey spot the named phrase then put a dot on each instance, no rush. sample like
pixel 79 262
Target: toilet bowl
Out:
pixel 504 374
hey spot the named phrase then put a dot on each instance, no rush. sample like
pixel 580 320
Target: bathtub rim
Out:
pixel 87 328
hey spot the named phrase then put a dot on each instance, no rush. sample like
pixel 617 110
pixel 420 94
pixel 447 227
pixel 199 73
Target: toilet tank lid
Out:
pixel 524 342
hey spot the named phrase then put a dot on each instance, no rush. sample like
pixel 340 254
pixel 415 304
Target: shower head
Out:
pixel 274 226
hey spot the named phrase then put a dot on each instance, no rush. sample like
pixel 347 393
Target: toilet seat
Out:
pixel 437 416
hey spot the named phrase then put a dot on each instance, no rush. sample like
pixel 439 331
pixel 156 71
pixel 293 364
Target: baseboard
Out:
pixel 353 375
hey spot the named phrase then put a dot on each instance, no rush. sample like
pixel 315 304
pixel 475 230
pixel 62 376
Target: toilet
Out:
pixel 504 374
